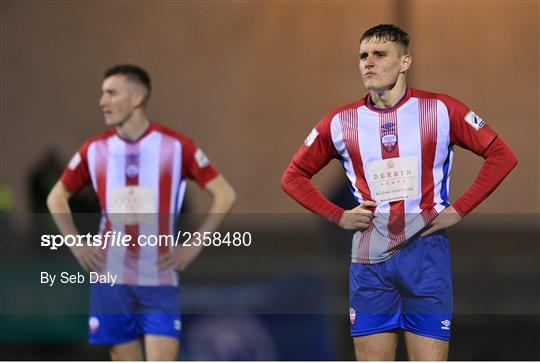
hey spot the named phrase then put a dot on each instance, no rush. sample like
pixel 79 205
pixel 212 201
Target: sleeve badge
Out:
pixel 474 120
pixel 75 161
pixel 311 137
pixel 201 159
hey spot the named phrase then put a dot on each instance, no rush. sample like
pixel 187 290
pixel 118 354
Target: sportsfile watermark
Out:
pixel 122 239
pixel 297 263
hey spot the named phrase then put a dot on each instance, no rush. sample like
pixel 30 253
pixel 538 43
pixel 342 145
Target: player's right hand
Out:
pixel 359 217
pixel 89 258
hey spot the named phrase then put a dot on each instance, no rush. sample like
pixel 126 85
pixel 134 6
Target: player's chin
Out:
pixel 377 87
pixel 370 85
pixel 111 121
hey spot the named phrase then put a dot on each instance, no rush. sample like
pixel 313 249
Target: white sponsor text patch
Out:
pixel 393 179
pixel 131 205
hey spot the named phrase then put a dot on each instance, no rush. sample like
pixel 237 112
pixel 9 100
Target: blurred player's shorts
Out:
pixel 122 313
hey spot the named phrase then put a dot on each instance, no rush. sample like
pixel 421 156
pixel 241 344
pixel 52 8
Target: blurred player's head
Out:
pixel 384 57
pixel 125 90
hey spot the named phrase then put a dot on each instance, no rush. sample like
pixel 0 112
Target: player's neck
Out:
pixel 388 98
pixel 134 127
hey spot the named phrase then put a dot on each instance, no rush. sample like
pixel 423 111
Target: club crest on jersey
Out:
pixel 311 137
pixel 352 315
pixel 132 171
pixel 474 120
pixel 389 142
pixel 132 167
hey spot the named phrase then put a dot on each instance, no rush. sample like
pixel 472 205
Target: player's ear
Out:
pixel 137 98
pixel 406 61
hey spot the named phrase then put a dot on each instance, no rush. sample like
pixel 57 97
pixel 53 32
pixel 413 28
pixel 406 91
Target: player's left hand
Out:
pixel 180 258
pixel 447 218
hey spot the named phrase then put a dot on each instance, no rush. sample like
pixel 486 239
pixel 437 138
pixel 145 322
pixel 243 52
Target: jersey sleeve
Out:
pixel 499 161
pixel 196 165
pixel 76 174
pixel 317 150
pixel 467 129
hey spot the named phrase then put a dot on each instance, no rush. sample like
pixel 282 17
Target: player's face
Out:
pixel 381 63
pixel 117 99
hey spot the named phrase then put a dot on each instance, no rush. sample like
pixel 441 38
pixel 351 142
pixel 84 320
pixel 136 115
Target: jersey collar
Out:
pixel 148 130
pixel 404 98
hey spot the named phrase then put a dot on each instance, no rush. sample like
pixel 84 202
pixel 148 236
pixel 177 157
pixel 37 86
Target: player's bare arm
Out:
pixel 223 198
pixel 58 203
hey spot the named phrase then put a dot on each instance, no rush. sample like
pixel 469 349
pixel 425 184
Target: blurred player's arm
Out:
pixel 58 203
pixel 223 198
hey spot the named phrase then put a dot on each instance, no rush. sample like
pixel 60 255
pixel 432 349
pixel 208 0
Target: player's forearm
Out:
pixel 57 202
pixel 301 189
pixel 500 160
pixel 223 199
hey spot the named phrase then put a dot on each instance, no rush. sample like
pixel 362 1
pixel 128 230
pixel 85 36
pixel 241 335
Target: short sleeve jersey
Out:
pixel 140 187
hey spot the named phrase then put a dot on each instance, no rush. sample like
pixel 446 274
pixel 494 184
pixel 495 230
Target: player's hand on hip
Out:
pixel 90 258
pixel 359 217
pixel 180 258
pixel 447 218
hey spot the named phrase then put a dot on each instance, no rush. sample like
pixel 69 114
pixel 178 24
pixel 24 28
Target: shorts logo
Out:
pixel 93 324
pixel 352 315
pixel 445 325
pixel 177 325
pixel 201 159
pixel 474 120
pixel 311 137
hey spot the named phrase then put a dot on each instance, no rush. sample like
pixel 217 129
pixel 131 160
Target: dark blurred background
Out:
pixel 248 80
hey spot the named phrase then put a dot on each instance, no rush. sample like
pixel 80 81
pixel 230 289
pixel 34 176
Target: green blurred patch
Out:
pixel 34 312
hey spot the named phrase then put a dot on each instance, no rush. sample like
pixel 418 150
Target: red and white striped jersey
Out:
pixel 399 157
pixel 140 186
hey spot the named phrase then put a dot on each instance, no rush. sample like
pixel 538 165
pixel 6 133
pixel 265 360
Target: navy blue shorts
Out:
pixel 412 291
pixel 122 313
